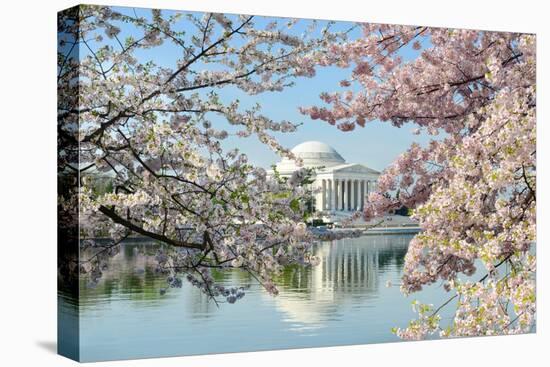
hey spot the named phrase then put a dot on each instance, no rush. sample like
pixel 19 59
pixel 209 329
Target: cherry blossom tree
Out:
pixel 473 187
pixel 151 129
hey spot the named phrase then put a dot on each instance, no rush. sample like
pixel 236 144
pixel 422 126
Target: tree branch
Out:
pixel 126 223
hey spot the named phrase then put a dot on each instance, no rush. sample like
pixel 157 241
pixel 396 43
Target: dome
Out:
pixel 313 154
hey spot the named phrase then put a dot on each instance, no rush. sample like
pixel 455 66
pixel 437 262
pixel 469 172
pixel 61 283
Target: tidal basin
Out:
pixel 342 301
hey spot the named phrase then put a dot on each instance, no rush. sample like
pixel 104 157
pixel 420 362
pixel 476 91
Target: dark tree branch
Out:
pixel 128 224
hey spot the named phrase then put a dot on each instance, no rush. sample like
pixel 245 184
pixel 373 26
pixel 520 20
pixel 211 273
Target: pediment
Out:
pixel 352 168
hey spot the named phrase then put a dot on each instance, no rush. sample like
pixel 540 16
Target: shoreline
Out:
pixel 365 232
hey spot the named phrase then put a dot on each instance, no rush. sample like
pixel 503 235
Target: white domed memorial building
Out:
pixel 343 187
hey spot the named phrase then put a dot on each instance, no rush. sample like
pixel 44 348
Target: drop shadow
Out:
pixel 48 345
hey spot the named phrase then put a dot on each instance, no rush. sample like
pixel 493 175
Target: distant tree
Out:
pixel 404 211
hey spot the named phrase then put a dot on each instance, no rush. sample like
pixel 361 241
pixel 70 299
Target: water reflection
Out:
pixel 130 276
pixel 341 301
pixel 349 268
pixel 349 272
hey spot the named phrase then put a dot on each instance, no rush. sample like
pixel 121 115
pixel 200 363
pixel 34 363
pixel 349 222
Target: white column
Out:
pixel 346 192
pixel 351 196
pixel 340 188
pixel 360 193
pixel 355 194
pixel 358 197
pixel 339 195
pixel 334 192
pixel 323 194
pixel 363 193
pixel 329 194
pixel 353 205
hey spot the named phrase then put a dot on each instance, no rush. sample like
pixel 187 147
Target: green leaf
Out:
pixel 295 205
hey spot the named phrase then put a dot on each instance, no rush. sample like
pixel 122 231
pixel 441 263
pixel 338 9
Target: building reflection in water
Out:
pixel 349 273
pixel 342 301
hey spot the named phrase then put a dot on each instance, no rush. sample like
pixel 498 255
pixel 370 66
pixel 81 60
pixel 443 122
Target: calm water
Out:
pixel 342 301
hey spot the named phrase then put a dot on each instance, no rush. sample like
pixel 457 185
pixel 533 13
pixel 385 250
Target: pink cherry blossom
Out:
pixel 473 190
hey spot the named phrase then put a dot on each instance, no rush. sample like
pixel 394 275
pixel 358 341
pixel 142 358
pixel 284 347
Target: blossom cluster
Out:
pixel 472 188
pixel 151 130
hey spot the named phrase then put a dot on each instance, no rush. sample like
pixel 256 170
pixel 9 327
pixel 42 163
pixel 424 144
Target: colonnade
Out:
pixel 344 194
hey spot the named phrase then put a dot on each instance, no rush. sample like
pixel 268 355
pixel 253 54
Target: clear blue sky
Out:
pixel 376 145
